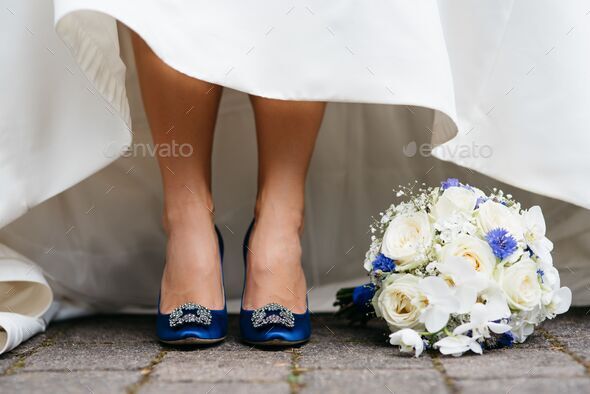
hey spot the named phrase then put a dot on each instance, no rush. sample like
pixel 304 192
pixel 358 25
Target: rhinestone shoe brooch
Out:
pixel 190 313
pixel 273 314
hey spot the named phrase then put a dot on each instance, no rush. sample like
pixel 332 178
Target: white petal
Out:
pixel 456 345
pixel 475 347
pixel 435 319
pixel 410 336
pixel 499 328
pixel 563 300
pixel 496 304
pixel 463 328
pixel 542 248
pixel 479 315
pixel 439 294
pixel 534 219
pixel 395 338
pixel 408 340
pixel 466 296
pixel 419 348
pixel 435 287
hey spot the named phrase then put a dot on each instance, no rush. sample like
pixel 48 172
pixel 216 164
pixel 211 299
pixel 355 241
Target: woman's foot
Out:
pixel 193 266
pixel 274 272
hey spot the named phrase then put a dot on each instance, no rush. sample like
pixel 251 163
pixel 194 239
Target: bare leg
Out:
pixel 287 133
pixel 182 111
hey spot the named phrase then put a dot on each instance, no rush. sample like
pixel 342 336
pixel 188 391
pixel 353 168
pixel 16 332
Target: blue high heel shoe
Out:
pixel 193 324
pixel 272 324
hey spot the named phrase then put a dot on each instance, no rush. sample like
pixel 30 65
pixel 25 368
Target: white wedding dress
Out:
pixel 499 88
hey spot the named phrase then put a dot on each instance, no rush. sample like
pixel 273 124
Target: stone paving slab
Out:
pixel 508 363
pixel 91 356
pixel 525 386
pixel 216 366
pixel 114 329
pixel 120 354
pixel 233 388
pixel 96 382
pixel 573 332
pixel 385 381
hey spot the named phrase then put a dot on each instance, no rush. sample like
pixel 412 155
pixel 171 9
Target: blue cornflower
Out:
pixel 362 296
pixel 383 263
pixel 451 182
pixel 506 339
pixel 502 243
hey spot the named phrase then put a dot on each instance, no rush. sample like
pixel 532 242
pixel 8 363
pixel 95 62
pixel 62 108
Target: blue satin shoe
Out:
pixel 272 324
pixel 193 324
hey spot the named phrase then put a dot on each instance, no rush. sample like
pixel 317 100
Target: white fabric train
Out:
pixel 509 78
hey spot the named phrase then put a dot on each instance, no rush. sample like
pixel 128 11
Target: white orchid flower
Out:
pixel 534 234
pixel 561 302
pixel 408 340
pixel 456 345
pixel 495 302
pixel 440 300
pixel 483 320
pixel 464 279
pixel 555 299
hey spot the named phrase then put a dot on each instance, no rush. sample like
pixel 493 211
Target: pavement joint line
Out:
pixel 146 372
pixel 295 377
pixel 21 359
pixel 558 345
pixel 440 368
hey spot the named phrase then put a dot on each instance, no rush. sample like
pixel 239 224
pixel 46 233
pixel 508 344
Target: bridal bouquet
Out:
pixel 457 270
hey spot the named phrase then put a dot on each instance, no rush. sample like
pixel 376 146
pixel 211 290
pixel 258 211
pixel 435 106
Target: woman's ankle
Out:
pixel 286 214
pixel 187 214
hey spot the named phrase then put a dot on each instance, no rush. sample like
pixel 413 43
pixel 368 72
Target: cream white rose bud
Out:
pixel 520 283
pixel 492 215
pixel 475 250
pixel 399 301
pixel 406 238
pixel 453 200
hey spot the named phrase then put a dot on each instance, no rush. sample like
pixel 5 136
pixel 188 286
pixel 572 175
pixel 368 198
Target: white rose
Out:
pixel 520 284
pixel 408 340
pixel 453 200
pixel 406 238
pixel 399 301
pixel 477 251
pixel 492 215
